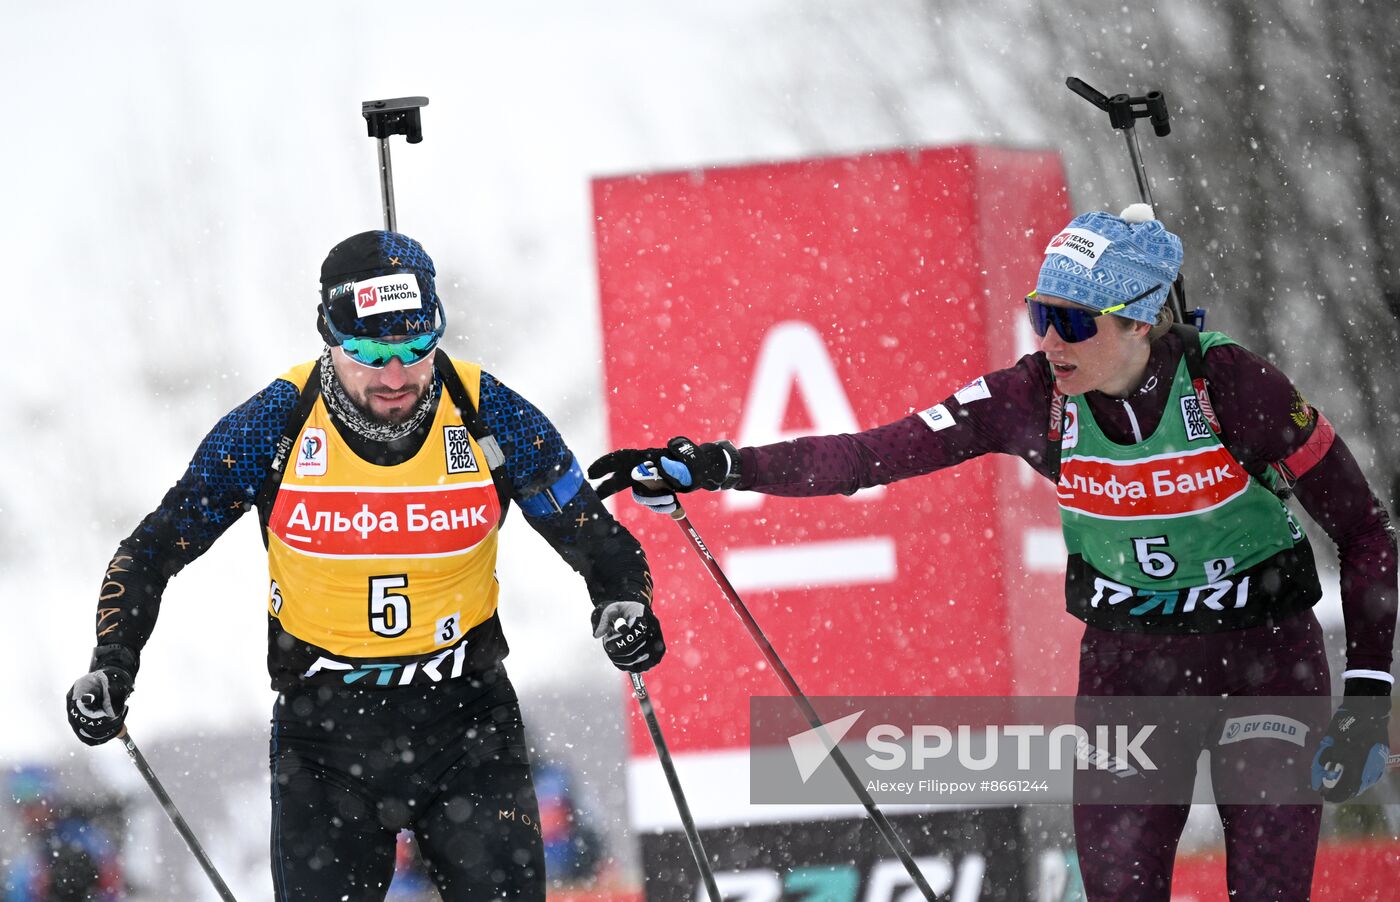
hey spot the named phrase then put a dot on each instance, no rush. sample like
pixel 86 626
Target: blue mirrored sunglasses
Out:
pixel 1074 324
pixel 377 352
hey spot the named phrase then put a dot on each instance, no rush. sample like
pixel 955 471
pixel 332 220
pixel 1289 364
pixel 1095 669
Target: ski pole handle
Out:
pixel 655 482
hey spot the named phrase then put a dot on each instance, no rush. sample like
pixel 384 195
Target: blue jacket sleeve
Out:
pixel 216 489
pixel 559 503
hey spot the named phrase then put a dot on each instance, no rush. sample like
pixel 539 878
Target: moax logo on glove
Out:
pixel 625 634
pixel 386 294
pixel 1033 746
pixel 1080 245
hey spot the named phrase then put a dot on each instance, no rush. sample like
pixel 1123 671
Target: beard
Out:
pixel 405 408
pixel 357 410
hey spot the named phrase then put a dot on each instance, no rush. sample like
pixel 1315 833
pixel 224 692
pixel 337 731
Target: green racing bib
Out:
pixel 1171 534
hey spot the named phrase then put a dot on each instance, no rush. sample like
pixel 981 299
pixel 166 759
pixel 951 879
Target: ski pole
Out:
pixel 397 116
pixel 697 849
pixel 1123 113
pixel 175 818
pixel 756 633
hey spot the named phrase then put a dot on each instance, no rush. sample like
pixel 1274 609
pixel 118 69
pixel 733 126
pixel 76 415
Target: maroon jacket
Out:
pixel 1265 419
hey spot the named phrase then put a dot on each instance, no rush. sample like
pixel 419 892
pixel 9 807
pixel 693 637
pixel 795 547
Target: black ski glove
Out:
pixel 631 635
pixel 97 701
pixel 682 466
pixel 1354 751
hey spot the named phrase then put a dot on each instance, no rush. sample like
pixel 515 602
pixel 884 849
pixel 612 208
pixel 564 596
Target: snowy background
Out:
pixel 174 175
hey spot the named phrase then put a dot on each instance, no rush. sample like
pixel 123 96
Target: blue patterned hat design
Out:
pixel 355 279
pixel 1101 260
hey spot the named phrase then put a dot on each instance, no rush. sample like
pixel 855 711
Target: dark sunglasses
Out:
pixel 1074 324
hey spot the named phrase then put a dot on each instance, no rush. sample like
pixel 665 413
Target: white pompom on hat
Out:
pixel 1137 213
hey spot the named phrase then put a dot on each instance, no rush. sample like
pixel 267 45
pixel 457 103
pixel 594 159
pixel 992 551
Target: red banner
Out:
pixel 759 303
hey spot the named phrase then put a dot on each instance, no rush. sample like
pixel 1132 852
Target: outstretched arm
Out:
pixel 1006 412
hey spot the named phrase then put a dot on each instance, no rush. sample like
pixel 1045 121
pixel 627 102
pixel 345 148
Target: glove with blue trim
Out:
pixel 655 475
pixel 1354 751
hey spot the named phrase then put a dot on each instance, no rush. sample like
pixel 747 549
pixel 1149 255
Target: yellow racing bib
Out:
pixel 373 562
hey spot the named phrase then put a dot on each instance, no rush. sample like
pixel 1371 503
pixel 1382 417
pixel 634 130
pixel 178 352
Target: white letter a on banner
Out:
pixel 792 355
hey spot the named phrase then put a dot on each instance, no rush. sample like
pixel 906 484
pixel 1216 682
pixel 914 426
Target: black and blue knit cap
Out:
pixel 359 265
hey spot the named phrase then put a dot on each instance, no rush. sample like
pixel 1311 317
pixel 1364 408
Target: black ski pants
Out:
pixel 352 767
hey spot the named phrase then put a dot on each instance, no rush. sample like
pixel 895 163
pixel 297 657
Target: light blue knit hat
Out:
pixel 1101 260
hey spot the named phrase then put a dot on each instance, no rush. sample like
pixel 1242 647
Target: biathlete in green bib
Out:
pixel 1170 451
pixel 1170 534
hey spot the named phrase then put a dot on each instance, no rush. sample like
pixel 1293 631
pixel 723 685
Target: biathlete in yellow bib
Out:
pixel 382 472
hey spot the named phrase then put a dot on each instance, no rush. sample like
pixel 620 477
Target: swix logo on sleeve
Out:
pixel 385 522
pixel 1203 402
pixel 311 452
pixel 385 294
pixel 1175 484
pixel 1080 245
